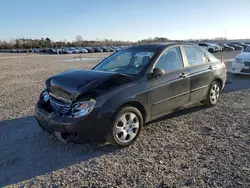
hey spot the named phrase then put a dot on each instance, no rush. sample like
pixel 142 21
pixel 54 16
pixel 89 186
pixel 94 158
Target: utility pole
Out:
pixel 225 35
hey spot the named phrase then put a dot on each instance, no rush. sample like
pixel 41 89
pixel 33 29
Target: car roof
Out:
pixel 159 46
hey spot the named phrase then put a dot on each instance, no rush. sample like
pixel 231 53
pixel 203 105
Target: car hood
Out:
pixel 244 56
pixel 74 83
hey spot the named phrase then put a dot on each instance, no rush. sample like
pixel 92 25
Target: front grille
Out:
pixel 247 63
pixel 60 106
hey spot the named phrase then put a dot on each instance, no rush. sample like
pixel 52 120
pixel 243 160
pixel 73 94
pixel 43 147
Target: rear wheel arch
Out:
pixel 219 81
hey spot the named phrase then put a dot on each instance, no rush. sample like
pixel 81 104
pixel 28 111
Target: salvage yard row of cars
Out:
pixel 68 50
pixel 211 47
pixel 219 47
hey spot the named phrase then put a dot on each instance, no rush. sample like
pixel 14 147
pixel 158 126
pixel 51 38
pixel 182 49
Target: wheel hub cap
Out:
pixel 127 127
pixel 214 93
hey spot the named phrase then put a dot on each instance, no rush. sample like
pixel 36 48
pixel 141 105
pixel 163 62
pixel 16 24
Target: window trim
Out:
pixel 185 56
pixel 161 54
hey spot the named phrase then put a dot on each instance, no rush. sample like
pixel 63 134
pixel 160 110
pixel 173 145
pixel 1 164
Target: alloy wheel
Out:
pixel 214 93
pixel 127 127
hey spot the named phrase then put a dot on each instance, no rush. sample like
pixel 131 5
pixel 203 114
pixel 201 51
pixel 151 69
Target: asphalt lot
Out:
pixel 197 147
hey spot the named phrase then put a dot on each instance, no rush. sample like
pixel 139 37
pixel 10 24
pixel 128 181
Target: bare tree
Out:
pixel 79 40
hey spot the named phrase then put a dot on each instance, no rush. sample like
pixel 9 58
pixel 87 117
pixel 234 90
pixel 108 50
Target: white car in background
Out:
pixel 209 47
pixel 241 63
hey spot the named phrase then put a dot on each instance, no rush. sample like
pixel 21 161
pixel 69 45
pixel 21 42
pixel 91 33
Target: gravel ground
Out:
pixel 195 147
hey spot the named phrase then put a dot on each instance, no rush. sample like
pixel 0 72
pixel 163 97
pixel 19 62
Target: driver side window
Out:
pixel 170 60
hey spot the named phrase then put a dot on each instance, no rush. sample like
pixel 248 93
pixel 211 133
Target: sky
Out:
pixel 124 19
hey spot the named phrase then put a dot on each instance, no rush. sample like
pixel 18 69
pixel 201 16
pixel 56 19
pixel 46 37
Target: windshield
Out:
pixel 130 62
pixel 247 49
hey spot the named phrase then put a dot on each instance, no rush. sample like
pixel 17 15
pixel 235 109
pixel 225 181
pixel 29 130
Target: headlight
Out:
pixel 45 96
pixel 81 109
pixel 237 60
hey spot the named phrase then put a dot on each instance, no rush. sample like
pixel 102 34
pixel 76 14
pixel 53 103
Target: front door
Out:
pixel 171 90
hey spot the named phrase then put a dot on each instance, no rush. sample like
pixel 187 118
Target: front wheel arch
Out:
pixel 111 135
pixel 211 50
pixel 136 105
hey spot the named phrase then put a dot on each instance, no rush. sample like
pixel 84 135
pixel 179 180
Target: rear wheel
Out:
pixel 213 94
pixel 125 127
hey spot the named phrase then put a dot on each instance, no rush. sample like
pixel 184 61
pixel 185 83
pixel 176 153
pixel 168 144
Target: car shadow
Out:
pixel 237 83
pixel 28 151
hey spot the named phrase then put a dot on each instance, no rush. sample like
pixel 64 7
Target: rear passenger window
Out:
pixel 170 60
pixel 194 56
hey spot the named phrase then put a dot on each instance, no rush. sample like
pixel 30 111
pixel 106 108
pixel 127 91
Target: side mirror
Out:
pixel 158 72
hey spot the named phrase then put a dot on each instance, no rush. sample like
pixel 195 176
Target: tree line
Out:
pixel 24 43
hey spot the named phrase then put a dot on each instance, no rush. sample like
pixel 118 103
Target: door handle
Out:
pixel 210 67
pixel 183 75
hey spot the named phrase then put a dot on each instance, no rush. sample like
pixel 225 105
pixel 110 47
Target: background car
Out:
pixel 37 50
pixel 52 50
pixel 105 49
pixel 112 49
pixel 82 50
pixel 90 50
pixel 116 48
pixel 228 48
pixel 241 44
pixel 241 63
pixel 236 47
pixel 209 47
pixel 71 50
pixel 221 46
pixel 98 49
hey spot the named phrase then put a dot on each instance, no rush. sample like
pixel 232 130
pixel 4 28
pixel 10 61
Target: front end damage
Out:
pixel 66 120
pixel 69 111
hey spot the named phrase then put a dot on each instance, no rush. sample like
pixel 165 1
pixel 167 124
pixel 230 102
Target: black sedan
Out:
pixel 97 49
pixel 90 50
pixel 228 48
pixel 235 46
pixel 241 44
pixel 128 89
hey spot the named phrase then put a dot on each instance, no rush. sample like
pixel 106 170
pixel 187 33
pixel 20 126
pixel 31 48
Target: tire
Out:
pixel 213 94
pixel 211 50
pixel 125 127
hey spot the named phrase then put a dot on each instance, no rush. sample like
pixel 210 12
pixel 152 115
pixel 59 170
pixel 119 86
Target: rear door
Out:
pixel 171 90
pixel 200 72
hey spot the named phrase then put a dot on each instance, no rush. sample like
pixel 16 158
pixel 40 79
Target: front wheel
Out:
pixel 213 94
pixel 211 50
pixel 125 127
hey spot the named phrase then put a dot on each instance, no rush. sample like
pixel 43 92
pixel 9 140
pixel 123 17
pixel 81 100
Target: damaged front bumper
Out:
pixel 69 128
